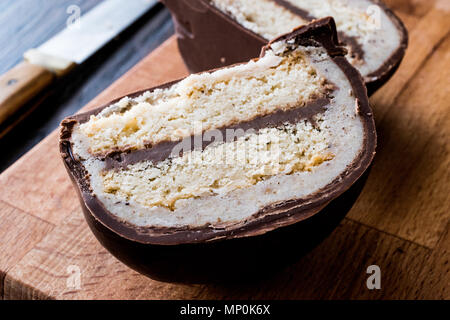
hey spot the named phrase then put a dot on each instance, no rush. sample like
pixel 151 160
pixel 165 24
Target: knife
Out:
pixel 70 47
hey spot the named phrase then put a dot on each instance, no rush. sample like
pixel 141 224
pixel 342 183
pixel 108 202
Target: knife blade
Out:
pixel 70 47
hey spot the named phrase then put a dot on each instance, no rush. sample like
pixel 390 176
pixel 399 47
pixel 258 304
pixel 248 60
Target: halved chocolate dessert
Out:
pixel 214 33
pixel 230 153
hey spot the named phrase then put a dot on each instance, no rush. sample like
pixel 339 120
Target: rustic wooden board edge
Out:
pixel 428 40
pixel 344 257
pixel 20 233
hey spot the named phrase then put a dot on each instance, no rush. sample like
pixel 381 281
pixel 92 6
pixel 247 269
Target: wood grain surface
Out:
pixel 400 222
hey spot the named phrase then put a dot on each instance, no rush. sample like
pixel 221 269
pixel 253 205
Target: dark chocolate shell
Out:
pixel 223 251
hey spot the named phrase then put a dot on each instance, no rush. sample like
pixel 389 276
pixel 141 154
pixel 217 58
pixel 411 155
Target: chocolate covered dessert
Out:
pixel 229 153
pixel 214 33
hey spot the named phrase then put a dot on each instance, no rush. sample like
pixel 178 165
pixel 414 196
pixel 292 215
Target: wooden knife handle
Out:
pixel 19 85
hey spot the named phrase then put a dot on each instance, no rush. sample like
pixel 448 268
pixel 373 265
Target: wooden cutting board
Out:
pixel 400 222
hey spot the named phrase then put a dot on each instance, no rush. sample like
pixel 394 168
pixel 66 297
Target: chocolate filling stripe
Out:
pixel 165 149
pixel 294 9
pixel 356 49
pixel 351 41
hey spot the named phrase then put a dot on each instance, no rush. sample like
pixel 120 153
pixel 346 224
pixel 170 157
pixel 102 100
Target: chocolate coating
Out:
pixel 208 38
pixel 159 252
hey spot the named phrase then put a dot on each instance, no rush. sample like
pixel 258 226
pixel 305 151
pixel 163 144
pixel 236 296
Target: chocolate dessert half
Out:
pixel 214 33
pixel 227 154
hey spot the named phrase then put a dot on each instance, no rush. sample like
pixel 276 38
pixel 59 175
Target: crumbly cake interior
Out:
pixel 222 168
pixel 361 19
pixel 229 180
pixel 201 100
